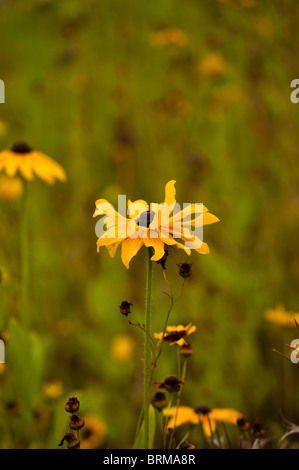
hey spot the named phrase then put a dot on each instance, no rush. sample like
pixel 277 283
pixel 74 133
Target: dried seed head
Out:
pixel 172 383
pixel 243 423
pixel 76 422
pixel 185 269
pixel 71 440
pixel 187 445
pixel 72 405
pixel 159 400
pixel 186 350
pixel 125 307
pixel 257 430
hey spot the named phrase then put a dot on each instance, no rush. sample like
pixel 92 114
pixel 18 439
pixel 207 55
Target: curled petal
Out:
pixel 130 248
pixel 170 193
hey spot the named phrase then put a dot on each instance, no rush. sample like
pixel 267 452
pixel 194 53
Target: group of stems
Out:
pixel 150 358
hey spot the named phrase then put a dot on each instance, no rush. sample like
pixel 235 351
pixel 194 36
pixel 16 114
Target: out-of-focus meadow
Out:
pixel 127 96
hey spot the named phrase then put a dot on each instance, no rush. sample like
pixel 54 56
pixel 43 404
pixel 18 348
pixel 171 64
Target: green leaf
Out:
pixel 139 442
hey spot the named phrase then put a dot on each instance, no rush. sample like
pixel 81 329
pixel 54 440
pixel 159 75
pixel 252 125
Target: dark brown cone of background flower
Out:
pixel 185 269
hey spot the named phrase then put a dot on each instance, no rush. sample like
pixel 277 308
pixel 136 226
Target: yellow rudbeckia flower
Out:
pixel 281 317
pixel 27 162
pixel 208 418
pixel 176 334
pixel 153 227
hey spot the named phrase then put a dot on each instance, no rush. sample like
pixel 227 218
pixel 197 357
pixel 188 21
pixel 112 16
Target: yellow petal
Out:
pixel 137 207
pixel 204 219
pixel 181 415
pixel 103 207
pixel 46 168
pixel 11 164
pixel 170 193
pixel 26 169
pixel 226 415
pixel 204 249
pixel 113 247
pixel 157 245
pixel 130 248
pixel 208 424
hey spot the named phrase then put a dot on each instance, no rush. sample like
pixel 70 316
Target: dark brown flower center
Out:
pixel 175 336
pixel 202 410
pixel 145 218
pixel 20 147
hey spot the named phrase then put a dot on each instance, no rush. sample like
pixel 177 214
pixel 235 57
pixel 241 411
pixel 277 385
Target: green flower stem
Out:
pixel 147 352
pixel 25 256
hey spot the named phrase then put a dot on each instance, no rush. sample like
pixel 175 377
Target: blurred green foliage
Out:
pixel 89 84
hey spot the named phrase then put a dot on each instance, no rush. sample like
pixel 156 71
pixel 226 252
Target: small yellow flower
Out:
pixel 281 317
pixel 10 188
pixel 122 348
pixel 53 389
pixel 207 418
pixel 169 36
pixel 176 334
pixel 153 228
pixel 94 432
pixel 21 158
pixel 213 65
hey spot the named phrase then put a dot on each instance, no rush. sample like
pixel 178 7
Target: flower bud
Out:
pixel 71 440
pixel 125 308
pixel 243 423
pixel 159 400
pixel 185 269
pixel 172 383
pixel 76 422
pixel 186 350
pixel 72 405
pixel 257 430
pixel 187 445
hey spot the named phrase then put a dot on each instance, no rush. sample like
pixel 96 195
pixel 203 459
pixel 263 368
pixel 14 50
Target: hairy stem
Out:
pixel 147 352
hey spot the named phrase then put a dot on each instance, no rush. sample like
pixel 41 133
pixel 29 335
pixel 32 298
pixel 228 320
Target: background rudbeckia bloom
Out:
pixel 10 188
pixel 281 317
pixel 176 334
pixel 26 162
pixel 94 432
pixel 153 227
pixel 185 414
